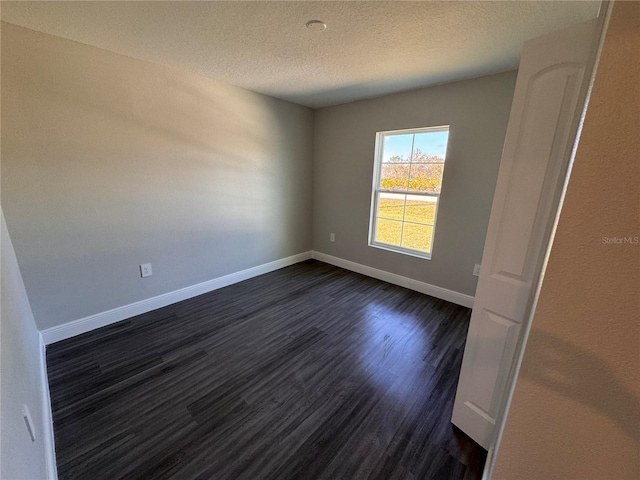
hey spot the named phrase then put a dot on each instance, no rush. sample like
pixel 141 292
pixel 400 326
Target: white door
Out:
pixel 546 105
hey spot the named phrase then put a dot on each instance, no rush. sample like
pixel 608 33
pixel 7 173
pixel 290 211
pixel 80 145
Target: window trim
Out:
pixel 376 191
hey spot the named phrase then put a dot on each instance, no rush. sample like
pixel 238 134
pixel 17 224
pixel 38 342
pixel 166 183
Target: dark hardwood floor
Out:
pixel 309 372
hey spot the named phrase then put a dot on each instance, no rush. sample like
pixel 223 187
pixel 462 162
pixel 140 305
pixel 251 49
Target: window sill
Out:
pixel 401 250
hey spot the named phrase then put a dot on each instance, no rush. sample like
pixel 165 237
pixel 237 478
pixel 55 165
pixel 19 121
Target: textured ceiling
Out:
pixel 368 48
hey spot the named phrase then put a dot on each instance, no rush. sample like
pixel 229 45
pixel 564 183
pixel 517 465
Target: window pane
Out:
pixel 417 236
pixel 421 209
pixel 430 147
pixel 410 167
pixel 426 177
pixel 397 148
pixel 388 231
pixel 391 205
pixel 394 176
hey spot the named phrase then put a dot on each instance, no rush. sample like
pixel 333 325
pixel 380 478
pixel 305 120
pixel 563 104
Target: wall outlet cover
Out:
pixel 146 270
pixel 28 422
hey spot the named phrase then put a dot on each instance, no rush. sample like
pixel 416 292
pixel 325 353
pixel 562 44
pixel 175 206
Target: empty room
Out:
pixel 320 240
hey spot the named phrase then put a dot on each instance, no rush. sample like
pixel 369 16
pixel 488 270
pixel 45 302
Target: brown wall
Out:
pixel 576 408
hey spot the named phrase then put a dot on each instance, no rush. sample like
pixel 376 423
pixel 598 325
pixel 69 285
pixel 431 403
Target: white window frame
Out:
pixel 376 190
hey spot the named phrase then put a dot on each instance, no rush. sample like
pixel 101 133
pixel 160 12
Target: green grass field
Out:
pixel 389 228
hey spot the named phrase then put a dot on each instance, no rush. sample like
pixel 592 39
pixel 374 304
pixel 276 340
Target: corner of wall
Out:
pixel 24 379
pixel 47 415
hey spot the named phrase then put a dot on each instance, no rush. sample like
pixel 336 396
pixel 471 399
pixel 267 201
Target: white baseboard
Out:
pixel 422 287
pixel 47 427
pixel 86 324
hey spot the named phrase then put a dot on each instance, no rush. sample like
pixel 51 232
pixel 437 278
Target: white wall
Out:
pixel 21 381
pixel 477 111
pixel 109 162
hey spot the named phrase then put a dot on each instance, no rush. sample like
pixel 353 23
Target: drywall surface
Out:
pixel 477 111
pixel 110 162
pixel 576 409
pixel 20 375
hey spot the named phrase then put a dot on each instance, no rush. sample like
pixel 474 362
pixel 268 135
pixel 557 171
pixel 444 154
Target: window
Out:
pixel 407 180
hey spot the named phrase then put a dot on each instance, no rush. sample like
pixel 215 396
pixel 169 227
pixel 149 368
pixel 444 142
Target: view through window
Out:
pixel 407 181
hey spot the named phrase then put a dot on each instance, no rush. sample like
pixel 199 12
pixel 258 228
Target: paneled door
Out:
pixel 547 102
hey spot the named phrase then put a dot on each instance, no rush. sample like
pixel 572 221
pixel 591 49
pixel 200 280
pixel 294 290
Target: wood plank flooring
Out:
pixel 309 372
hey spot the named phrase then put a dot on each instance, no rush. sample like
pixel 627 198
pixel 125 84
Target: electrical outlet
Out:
pixel 332 237
pixel 145 270
pixel 476 270
pixel 28 422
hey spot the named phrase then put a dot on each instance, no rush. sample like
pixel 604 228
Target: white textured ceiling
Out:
pixel 368 48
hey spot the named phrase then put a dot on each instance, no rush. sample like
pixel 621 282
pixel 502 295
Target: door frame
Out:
pixel 603 17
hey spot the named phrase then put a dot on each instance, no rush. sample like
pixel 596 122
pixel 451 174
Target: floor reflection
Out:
pixel 393 343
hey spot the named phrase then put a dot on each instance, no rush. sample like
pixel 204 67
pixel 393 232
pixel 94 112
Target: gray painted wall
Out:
pixel 21 383
pixel 477 111
pixel 109 162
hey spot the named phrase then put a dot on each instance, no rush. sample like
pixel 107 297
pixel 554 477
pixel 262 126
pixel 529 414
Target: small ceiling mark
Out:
pixel 316 25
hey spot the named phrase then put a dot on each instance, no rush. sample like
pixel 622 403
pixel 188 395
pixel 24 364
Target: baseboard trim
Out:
pixel 92 322
pixel 422 287
pixel 47 427
pixel 86 324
